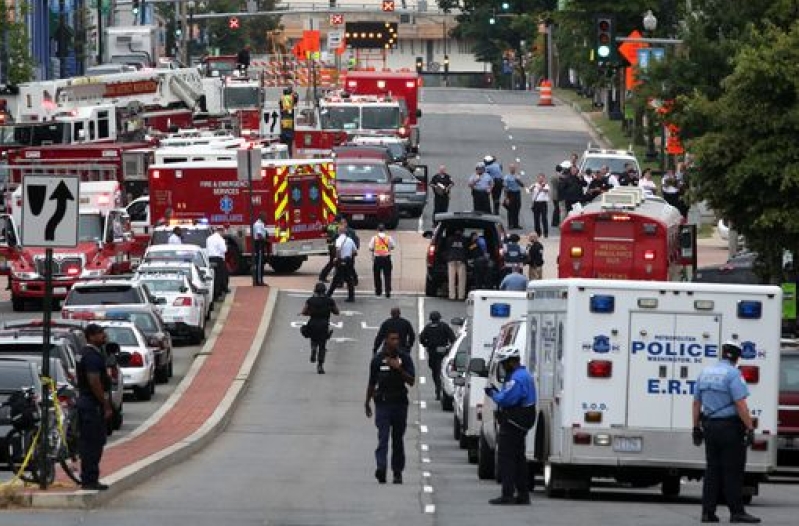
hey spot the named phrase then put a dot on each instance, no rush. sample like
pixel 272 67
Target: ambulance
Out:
pixel 488 311
pixel 615 364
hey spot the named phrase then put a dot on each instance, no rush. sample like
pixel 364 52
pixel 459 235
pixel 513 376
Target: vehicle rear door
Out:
pixel 9 241
pixel 306 207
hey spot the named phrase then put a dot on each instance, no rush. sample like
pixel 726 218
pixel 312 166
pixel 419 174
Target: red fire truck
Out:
pixel 105 246
pixel 403 86
pixel 625 235
pixel 298 200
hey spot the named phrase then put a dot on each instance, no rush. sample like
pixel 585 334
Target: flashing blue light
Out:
pixel 750 310
pixel 603 303
pixel 369 196
pixel 500 310
pixel 117 315
pixel 202 221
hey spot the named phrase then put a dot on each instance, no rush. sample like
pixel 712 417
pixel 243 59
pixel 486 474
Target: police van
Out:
pixel 487 311
pixel 615 367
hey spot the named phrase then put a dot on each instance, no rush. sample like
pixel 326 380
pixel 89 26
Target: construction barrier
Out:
pixel 545 93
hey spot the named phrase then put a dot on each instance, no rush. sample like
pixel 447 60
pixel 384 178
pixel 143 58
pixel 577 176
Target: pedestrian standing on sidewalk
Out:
pixel 259 235
pixel 217 249
pixel 319 307
pixel 389 372
pixel 535 257
pixel 94 406
pixel 436 337
pixel 540 192
pixel 513 196
pixel 345 263
pixel 381 245
pixel 396 323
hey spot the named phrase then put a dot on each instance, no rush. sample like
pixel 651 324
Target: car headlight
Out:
pixel 384 198
pixel 24 275
pixel 96 273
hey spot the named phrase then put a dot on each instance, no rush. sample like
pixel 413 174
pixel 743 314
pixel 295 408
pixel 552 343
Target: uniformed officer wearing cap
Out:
pixel 481 184
pixel 721 418
pixel 94 407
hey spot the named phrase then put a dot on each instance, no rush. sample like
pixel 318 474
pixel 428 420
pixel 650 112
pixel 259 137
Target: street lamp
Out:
pixel 650 21
pixel 650 24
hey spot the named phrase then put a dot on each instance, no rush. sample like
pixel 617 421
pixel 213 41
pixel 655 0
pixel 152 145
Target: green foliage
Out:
pixel 16 57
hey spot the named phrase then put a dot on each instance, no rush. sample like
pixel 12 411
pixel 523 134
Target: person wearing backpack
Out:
pixel 436 338
pixel 535 257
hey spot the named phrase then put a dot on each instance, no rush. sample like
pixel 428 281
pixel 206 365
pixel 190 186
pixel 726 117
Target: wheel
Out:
pixel 430 289
pixel 117 419
pixel 393 223
pixel 170 368
pixel 17 304
pixel 456 428
pixel 144 393
pixel 670 487
pixel 446 402
pixel 485 462
pixel 197 336
pixel 473 455
pixel 234 261
pixel 162 374
pixel 551 476
pixel 286 265
pixel 68 456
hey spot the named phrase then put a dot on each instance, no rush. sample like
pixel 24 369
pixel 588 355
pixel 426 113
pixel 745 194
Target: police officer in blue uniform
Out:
pixel 389 372
pixel 94 407
pixel 516 416
pixel 721 418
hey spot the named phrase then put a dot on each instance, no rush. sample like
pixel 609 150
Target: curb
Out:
pixel 136 473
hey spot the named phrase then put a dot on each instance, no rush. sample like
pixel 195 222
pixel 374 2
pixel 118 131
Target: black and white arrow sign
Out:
pixel 50 210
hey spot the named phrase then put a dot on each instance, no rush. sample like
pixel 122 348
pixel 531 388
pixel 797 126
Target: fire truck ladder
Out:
pixel 189 90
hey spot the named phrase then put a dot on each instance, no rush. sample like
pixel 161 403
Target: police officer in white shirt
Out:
pixel 217 248
pixel 345 260
pixel 176 237
pixel 258 245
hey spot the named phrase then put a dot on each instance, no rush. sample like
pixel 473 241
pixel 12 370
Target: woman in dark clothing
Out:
pixel 319 307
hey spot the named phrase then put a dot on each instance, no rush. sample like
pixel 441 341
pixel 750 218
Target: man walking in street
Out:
pixel 332 235
pixel 381 246
pixel 94 406
pixel 217 248
pixel 436 338
pixel 389 372
pixel 345 256
pixel 535 257
pixel 259 246
pixel 399 324
pixel 442 184
pixel 516 416
pixel 722 419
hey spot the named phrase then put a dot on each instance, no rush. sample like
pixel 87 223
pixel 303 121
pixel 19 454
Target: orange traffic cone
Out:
pixel 545 93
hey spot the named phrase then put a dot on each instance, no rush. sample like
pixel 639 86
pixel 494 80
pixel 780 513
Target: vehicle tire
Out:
pixel 198 335
pixel 143 393
pixel 531 471
pixel 170 368
pixel 286 265
pixel 117 419
pixel 446 402
pixel 430 289
pixel 17 304
pixel 551 475
pixel 235 262
pixel 473 455
pixel 417 212
pixel 485 461
pixel 162 374
pixel 670 487
pixel 393 223
pixel 456 428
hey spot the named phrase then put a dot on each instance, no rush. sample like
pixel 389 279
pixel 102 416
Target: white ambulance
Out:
pixel 615 367
pixel 487 310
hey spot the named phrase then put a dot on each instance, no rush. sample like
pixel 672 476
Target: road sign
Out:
pixel 388 6
pixel 336 19
pixel 50 210
pixel 334 38
pixel 629 50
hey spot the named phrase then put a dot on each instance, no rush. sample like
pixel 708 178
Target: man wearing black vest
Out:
pixel 436 337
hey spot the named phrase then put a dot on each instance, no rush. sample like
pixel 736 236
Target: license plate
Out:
pixel 358 217
pixel 126 377
pixel 628 444
pixel 59 290
pixel 307 246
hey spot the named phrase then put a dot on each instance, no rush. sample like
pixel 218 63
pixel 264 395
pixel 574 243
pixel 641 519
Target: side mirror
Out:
pixel 477 366
pixel 428 234
pixel 457 320
pixel 459 381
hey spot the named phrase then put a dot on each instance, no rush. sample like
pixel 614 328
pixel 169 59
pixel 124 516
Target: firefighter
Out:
pixel 288 102
pixel 381 246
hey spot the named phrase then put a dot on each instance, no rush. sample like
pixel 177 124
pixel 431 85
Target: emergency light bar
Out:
pixel 500 310
pixel 602 303
pixel 751 310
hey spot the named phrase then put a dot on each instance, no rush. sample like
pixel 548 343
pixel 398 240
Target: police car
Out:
pixel 193 253
pixel 182 304
pixel 199 280
pixel 136 360
pixel 617 161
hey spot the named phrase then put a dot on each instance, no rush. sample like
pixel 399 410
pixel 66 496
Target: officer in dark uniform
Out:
pixel 94 407
pixel 514 255
pixel 399 324
pixel 442 184
pixel 722 419
pixel 436 337
pixel 390 371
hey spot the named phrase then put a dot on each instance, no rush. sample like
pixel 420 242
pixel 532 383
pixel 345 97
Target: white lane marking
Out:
pixel 430 508
pixel 518 160
pixel 513 147
pixel 364 325
pixel 335 324
pixel 425 460
pixel 428 489
pixel 422 380
pixel 423 428
pixel 425 447
pixel 350 313
pixel 422 404
pixel 510 137
pixel 426 474
pixel 342 340
pixel 421 318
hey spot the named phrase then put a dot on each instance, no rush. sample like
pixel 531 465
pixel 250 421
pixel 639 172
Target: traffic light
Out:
pixel 605 39
pixel 505 6
pixel 233 23
pixel 419 64
pixel 446 63
pixel 178 29
pixel 492 20
pixel 135 9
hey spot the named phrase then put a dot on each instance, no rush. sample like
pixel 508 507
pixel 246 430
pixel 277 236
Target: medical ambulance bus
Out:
pixel 615 365
pixel 625 235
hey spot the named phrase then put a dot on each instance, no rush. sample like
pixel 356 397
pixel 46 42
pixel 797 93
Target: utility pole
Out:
pixel 99 32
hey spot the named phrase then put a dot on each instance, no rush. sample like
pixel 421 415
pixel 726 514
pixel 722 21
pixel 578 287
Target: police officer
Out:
pixel 332 234
pixel 514 255
pixel 217 249
pixel 442 184
pixel 259 245
pixel 481 184
pixel 389 372
pixel 396 323
pixel 436 337
pixel 516 415
pixel 94 406
pixel 721 418
pixel 381 246
pixel 494 169
pixel 319 308
pixel 345 264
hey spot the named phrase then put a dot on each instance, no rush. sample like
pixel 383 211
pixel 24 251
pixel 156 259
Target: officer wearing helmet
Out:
pixel 722 419
pixel 436 338
pixel 494 169
pixel 516 416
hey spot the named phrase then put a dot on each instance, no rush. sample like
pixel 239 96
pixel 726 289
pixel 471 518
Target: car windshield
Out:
pixel 340 118
pixel 124 336
pixel 164 285
pixel 13 377
pixel 397 150
pixel 193 256
pixel 25 348
pixel 191 236
pixel 615 165
pixel 106 295
pixel 36 134
pixel 380 117
pixel 362 173
pixel 789 374
pixel 90 227
pixel 242 97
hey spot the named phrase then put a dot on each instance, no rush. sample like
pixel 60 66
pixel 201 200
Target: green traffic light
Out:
pixel 505 6
pixel 492 21
pixel 603 51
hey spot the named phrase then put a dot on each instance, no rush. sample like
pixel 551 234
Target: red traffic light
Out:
pixel 233 23
pixel 604 25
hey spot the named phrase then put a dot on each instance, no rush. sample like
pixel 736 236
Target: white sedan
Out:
pixel 182 305
pixel 454 365
pixel 136 360
pixel 191 253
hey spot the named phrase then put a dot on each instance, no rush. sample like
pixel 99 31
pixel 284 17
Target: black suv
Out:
pixel 486 225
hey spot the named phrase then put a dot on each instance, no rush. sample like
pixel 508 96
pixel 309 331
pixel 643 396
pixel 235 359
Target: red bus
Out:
pixel 625 235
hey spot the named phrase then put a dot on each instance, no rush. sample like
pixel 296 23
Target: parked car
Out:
pixel 14 375
pixel 183 305
pixel 454 365
pixel 135 359
pixel 486 225
pixel 152 325
pixel 788 419
pixel 410 191
pixel 86 296
pixel 18 342
pixel 193 253
pixel 199 280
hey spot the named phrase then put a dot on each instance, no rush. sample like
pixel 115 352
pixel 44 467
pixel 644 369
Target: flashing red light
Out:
pixel 600 369
pixel 104 199
pixel 649 255
pixel 620 217
pixel 183 301
pixel 136 359
pixel 73 271
pixel 750 373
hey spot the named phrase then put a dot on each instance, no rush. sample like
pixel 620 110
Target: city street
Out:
pixel 299 450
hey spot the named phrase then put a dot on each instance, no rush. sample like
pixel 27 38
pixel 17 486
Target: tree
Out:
pixel 17 63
